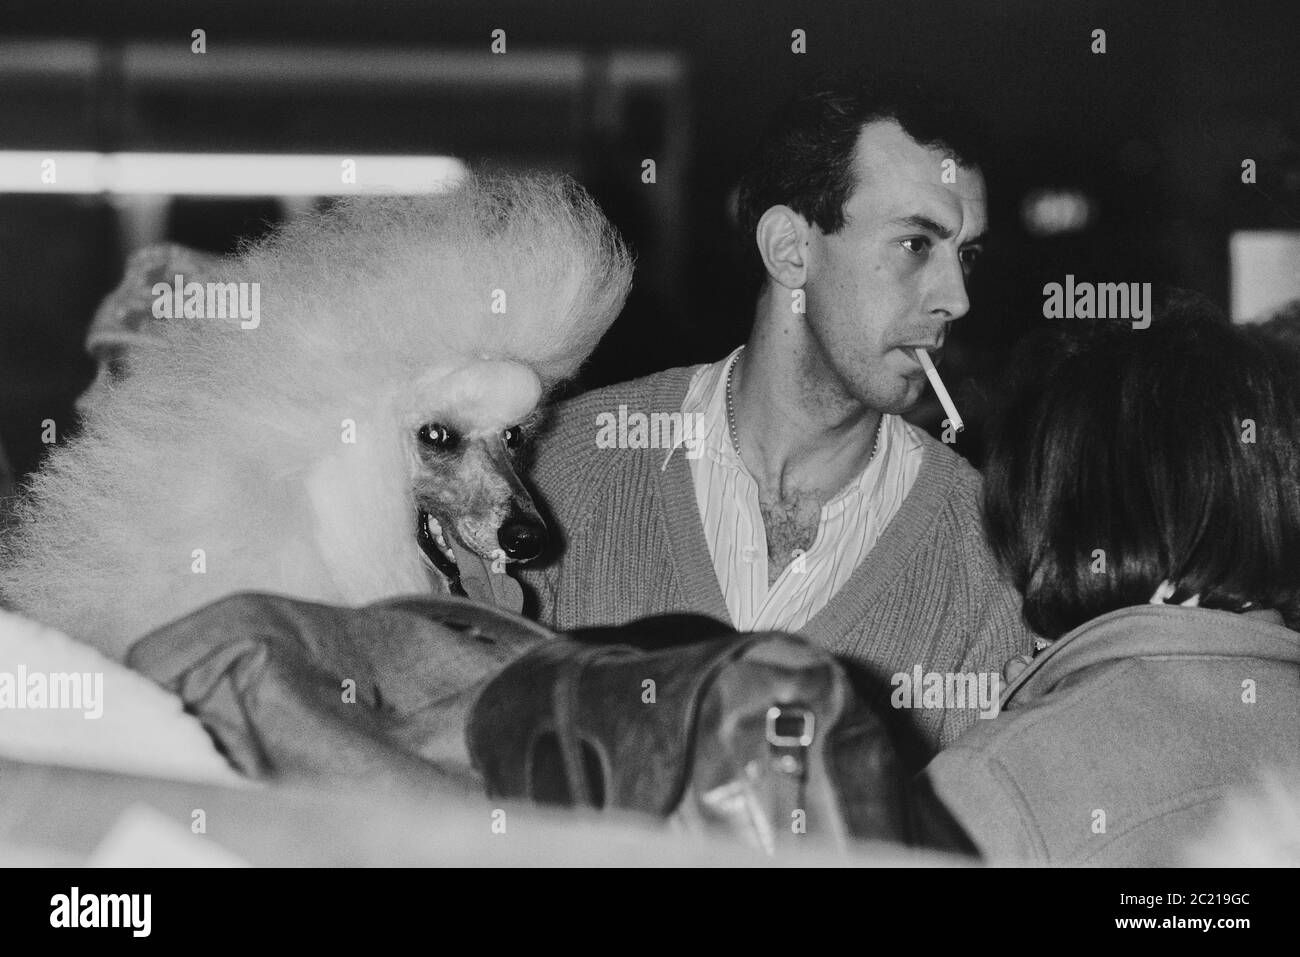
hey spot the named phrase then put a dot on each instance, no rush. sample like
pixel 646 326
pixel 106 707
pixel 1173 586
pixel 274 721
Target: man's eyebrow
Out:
pixel 918 221
pixel 927 224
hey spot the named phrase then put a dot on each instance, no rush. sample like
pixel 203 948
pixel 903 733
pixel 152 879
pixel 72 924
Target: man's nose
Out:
pixel 948 298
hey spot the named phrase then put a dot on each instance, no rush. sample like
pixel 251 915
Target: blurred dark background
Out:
pixel 1149 137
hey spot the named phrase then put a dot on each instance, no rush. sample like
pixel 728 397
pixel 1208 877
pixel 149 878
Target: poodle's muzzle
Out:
pixel 469 498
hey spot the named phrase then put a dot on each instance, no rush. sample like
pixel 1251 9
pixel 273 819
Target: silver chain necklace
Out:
pixel 731 414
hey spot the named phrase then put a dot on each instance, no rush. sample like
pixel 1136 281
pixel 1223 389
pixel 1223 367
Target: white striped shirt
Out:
pixel 851 522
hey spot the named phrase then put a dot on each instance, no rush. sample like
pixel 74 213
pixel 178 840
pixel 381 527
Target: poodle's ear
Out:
pixel 124 324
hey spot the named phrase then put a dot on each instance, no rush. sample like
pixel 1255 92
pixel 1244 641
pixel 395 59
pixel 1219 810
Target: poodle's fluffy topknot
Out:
pixel 226 440
pixel 518 267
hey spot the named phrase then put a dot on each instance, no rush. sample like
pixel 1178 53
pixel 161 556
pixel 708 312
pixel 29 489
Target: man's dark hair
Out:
pixel 1125 457
pixel 804 160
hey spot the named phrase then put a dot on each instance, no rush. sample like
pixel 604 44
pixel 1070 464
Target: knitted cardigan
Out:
pixel 927 595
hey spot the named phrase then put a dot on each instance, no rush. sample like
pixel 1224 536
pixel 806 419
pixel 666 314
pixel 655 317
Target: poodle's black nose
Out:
pixel 522 538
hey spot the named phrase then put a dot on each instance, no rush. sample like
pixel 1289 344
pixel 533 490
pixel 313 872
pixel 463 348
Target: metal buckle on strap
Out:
pixel 782 721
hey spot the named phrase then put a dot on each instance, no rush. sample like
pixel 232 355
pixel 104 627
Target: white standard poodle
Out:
pixel 362 415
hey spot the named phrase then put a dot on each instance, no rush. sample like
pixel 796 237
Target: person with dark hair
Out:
pixel 1142 491
pixel 802 500
pixel 808 158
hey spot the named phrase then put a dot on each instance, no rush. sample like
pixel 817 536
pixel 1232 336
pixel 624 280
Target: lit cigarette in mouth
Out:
pixel 932 374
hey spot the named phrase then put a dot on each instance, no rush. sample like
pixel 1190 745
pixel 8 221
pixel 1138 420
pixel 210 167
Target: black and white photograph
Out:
pixel 665 434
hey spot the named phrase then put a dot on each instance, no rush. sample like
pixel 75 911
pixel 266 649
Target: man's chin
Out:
pixel 888 387
pixel 906 398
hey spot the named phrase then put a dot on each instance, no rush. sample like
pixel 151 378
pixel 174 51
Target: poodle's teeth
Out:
pixel 435 529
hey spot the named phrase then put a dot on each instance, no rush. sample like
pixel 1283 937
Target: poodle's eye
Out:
pixel 513 436
pixel 438 436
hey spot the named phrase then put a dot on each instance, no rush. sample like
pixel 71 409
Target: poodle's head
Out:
pixel 465 308
pixel 465 428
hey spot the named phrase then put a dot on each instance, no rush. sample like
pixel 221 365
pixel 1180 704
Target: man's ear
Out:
pixel 782 237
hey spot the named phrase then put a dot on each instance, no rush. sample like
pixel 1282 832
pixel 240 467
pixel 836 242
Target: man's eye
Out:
pixel 970 256
pixel 438 436
pixel 916 244
pixel 513 436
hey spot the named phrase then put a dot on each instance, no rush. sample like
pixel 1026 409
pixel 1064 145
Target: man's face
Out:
pixel 894 277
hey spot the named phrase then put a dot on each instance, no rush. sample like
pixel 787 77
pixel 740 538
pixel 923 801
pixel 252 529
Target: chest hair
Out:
pixel 791 524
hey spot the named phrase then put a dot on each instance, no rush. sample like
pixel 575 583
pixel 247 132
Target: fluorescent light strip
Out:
pixel 223 174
